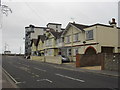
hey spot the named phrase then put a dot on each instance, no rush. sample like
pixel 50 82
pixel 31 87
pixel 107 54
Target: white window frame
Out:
pixel 76 37
pixel 67 39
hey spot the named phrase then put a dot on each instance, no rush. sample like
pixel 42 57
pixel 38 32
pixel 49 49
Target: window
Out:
pixel 49 42
pixel 69 52
pixel 89 35
pixel 76 37
pixel 56 26
pixel 68 39
pixel 75 51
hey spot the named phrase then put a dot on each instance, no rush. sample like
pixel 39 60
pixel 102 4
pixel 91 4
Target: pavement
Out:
pixel 7 81
pixel 91 69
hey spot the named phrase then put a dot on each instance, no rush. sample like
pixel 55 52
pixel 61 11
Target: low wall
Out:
pixel 111 62
pixel 49 59
pixel 53 59
pixel 39 58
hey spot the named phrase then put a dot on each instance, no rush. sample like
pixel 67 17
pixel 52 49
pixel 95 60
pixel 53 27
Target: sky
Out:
pixel 39 13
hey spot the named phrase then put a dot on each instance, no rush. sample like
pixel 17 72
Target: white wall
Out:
pixel 54 27
pixel 37 31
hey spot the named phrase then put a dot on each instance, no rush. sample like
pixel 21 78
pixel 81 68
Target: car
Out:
pixel 28 57
pixel 65 59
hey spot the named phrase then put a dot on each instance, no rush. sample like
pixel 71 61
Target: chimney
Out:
pixel 73 22
pixel 113 23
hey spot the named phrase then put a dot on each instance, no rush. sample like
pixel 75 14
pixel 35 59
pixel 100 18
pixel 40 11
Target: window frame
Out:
pixel 89 35
pixel 68 39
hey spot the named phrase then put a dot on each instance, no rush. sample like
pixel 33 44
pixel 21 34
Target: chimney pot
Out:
pixel 113 20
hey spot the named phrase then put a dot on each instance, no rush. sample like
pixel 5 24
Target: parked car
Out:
pixel 65 59
pixel 28 57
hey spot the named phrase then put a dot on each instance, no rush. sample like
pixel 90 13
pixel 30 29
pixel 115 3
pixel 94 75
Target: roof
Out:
pixel 34 41
pixel 60 34
pixel 62 29
pixel 100 25
pixel 37 27
pixel 54 24
pixel 41 37
pixel 80 26
pixel 55 34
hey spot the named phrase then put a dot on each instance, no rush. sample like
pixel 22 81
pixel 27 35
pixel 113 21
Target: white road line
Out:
pixel 70 78
pixel 16 82
pixel 25 65
pixel 39 69
pixel 45 80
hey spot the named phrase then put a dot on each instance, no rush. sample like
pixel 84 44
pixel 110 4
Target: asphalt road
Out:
pixel 34 74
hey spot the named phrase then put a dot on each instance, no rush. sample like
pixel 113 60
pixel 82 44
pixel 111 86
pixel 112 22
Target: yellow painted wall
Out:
pixel 53 59
pixel 118 37
pixel 38 58
pixel 40 45
pixel 108 37
pixel 105 36
pixel 34 48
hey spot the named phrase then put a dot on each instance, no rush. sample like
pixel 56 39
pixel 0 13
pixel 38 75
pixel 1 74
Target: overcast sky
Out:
pixel 41 13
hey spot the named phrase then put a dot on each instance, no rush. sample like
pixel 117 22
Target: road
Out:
pixel 34 74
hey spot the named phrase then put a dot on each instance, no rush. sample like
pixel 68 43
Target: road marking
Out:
pixel 16 82
pixel 39 69
pixel 45 80
pixel 37 75
pixel 25 65
pixel 70 78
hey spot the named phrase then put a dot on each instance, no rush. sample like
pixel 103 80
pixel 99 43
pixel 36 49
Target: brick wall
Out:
pixel 90 60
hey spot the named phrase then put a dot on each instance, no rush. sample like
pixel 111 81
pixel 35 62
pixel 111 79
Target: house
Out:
pixel 34 48
pixel 100 38
pixel 28 31
pixel 91 39
pixel 40 44
pixel 60 42
pixel 32 32
pixel 55 26
pixel 73 36
pixel 50 43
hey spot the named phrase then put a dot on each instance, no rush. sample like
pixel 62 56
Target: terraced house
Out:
pixel 40 45
pixel 77 39
pixel 50 43
pixel 34 47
